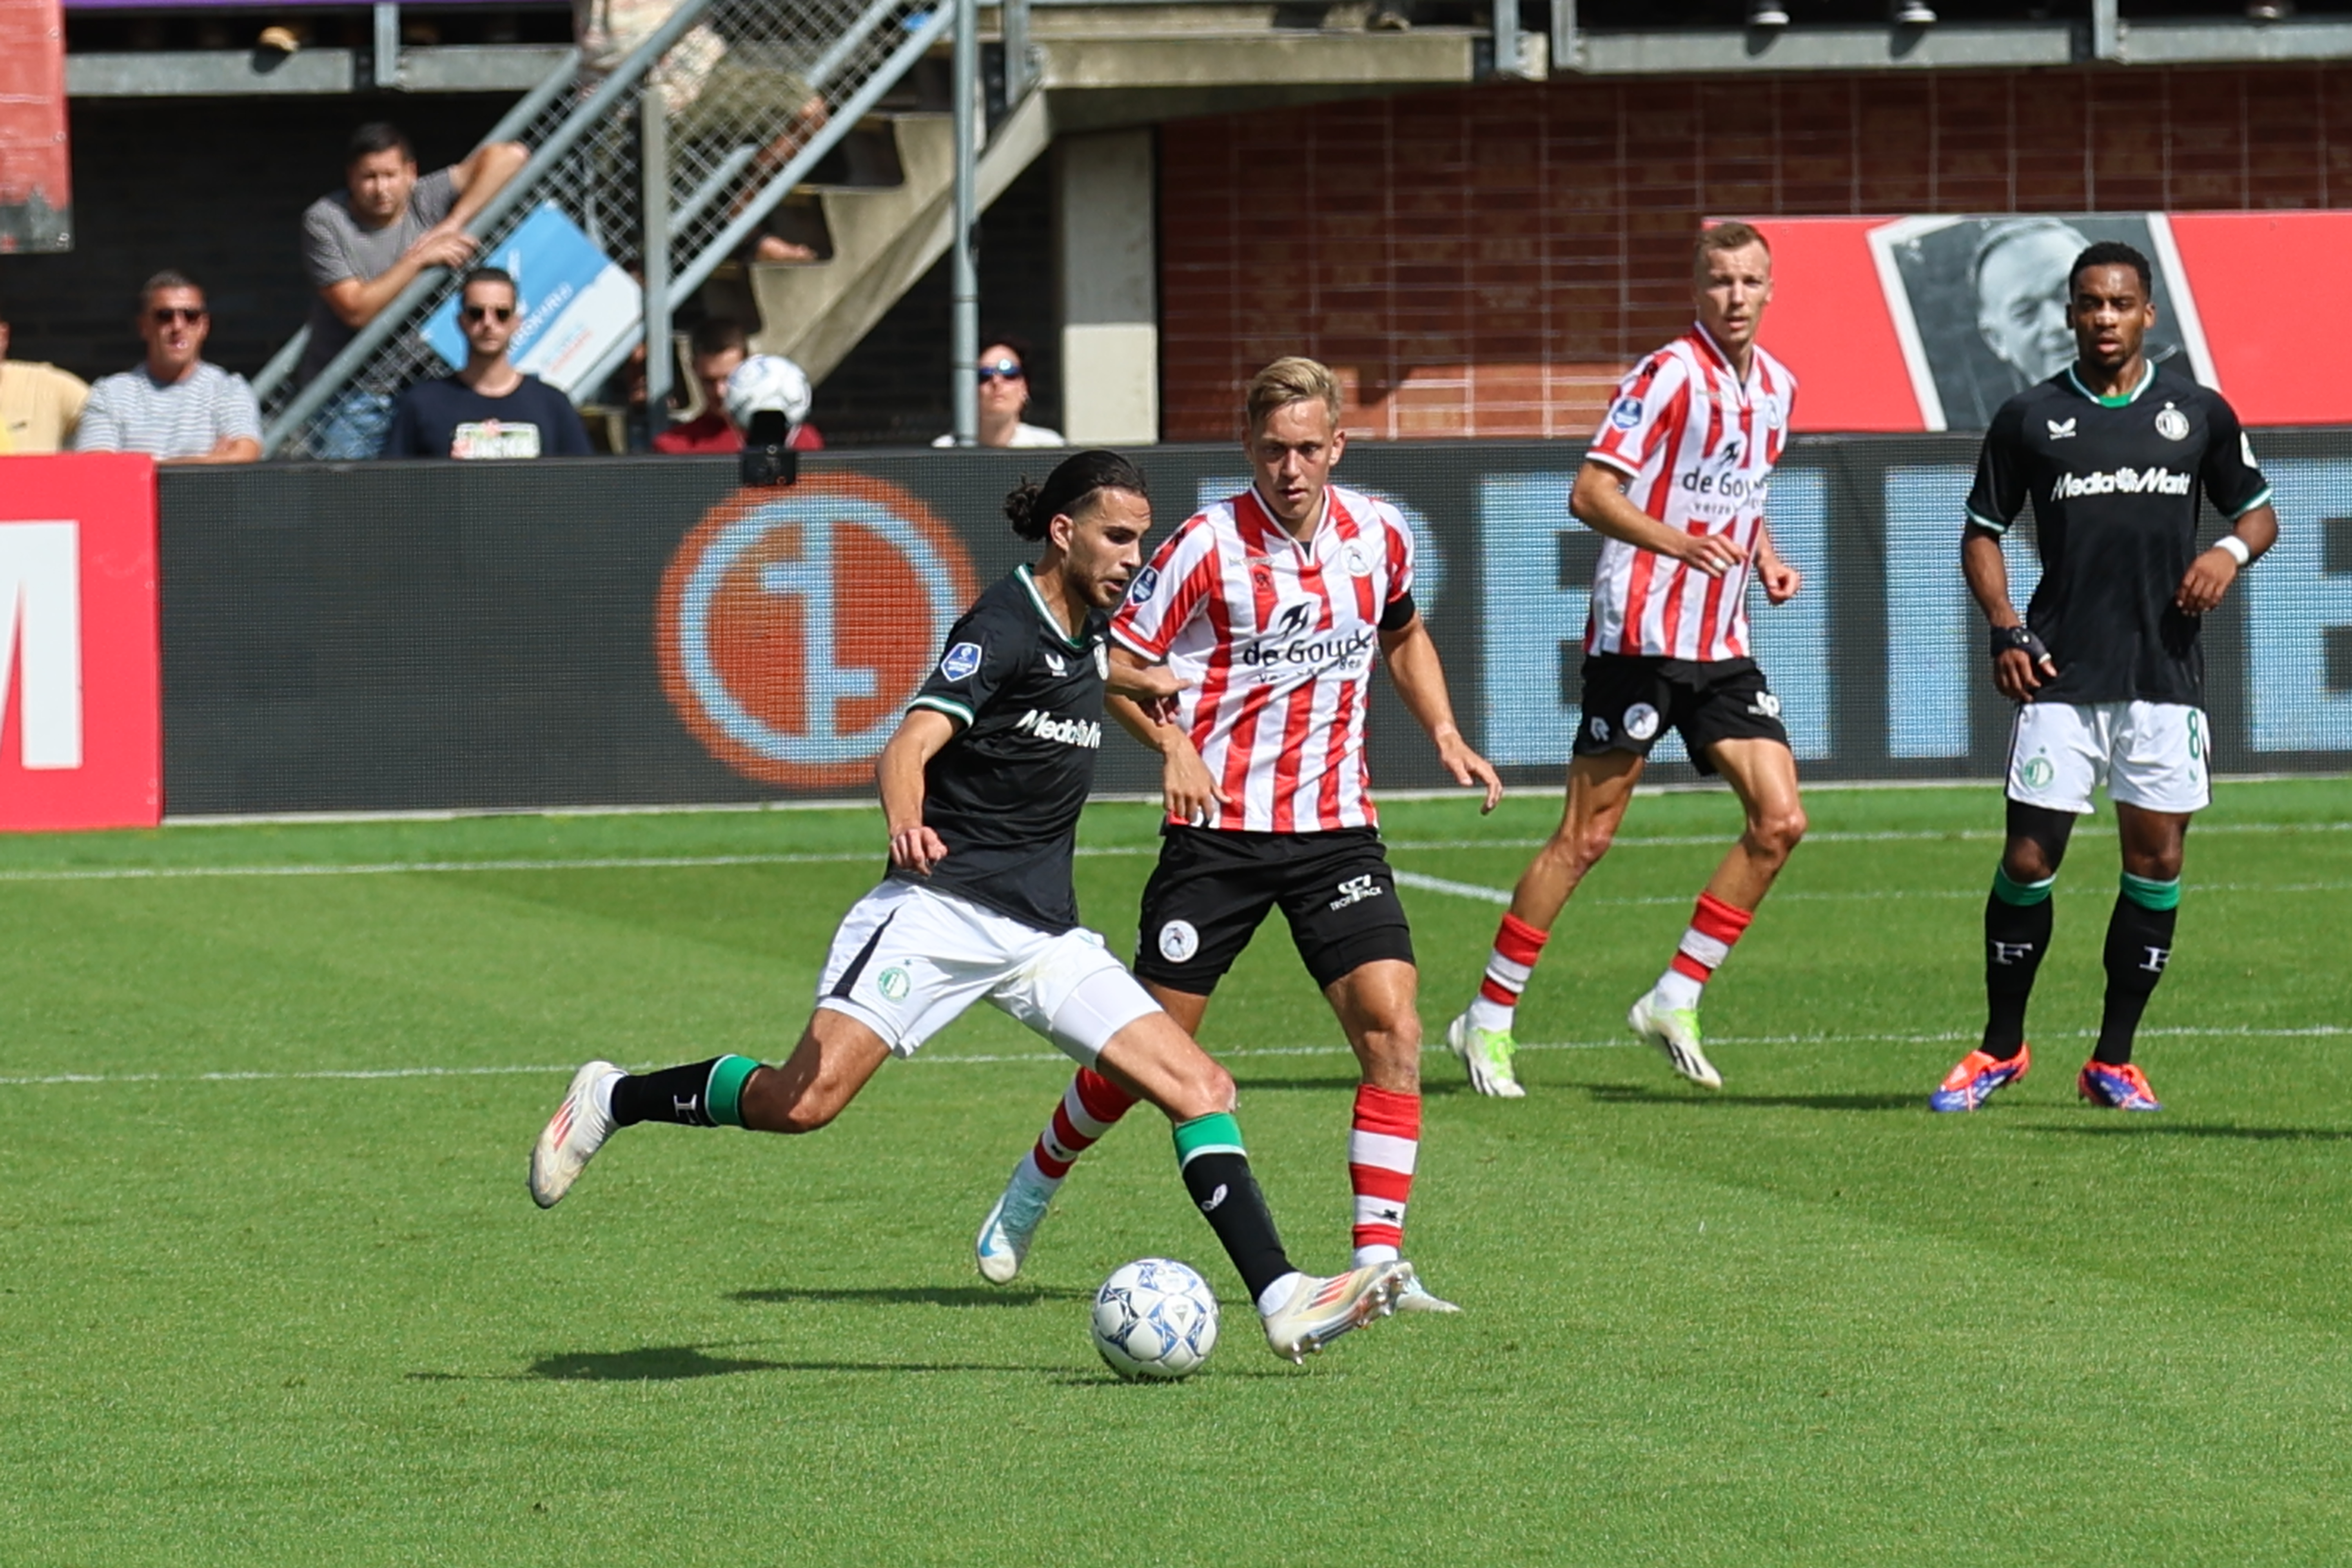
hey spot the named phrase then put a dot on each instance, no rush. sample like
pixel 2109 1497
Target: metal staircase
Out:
pixel 670 158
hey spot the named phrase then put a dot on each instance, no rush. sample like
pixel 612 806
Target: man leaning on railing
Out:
pixel 363 246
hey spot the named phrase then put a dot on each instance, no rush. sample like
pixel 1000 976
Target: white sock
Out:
pixel 1367 1255
pixel 1494 1015
pixel 1276 1296
pixel 1676 990
pixel 601 1093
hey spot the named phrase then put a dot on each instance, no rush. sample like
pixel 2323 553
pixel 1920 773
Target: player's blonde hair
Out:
pixel 1732 236
pixel 1288 379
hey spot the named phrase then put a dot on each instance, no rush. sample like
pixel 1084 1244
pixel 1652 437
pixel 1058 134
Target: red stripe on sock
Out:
pixel 1066 1133
pixel 1500 995
pixel 1716 919
pixel 1519 941
pixel 1386 1111
pixel 1685 964
pixel 1379 1182
pixel 1104 1100
pixel 1054 1169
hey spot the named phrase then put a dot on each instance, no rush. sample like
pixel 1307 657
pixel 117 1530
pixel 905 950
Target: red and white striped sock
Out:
pixel 1090 1107
pixel 1381 1150
pixel 1714 926
pixel 1518 945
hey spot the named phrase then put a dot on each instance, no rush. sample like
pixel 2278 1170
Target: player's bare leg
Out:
pixel 1599 788
pixel 1763 775
pixel 1377 1004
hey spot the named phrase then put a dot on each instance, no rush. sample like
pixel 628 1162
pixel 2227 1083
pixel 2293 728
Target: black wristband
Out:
pixel 2019 637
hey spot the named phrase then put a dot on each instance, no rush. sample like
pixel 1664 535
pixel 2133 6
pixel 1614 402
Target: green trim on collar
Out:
pixel 2126 400
pixel 1047 616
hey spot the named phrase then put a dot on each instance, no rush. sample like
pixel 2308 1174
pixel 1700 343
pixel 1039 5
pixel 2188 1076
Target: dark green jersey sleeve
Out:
pixel 1999 494
pixel 2233 481
pixel 986 649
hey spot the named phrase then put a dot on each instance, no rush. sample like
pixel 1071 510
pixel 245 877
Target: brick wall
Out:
pixel 1486 262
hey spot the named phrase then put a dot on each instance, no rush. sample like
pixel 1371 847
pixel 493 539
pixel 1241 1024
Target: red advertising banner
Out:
pixel 1931 323
pixel 81 735
pixel 36 175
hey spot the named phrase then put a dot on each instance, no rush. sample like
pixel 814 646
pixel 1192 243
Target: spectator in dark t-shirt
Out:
pixel 490 409
pixel 717 347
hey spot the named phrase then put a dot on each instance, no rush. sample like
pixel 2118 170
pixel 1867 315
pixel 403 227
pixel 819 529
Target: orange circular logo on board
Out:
pixel 795 624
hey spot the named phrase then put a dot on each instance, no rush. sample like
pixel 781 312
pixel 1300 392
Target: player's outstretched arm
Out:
pixel 2210 575
pixel 2017 669
pixel 1600 502
pixel 899 774
pixel 1187 787
pixel 1420 680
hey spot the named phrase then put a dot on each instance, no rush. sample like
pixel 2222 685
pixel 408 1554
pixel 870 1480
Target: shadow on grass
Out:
pixel 1643 1094
pixel 2140 1127
pixel 919 1295
pixel 674 1363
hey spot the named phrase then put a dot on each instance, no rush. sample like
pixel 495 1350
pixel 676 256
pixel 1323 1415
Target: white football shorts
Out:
pixel 2149 754
pixel 907 960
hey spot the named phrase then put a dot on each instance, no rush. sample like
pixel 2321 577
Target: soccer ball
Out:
pixel 1155 1318
pixel 768 381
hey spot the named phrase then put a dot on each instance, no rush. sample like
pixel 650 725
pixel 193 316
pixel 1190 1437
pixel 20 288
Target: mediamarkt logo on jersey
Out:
pixel 1068 732
pixel 2123 481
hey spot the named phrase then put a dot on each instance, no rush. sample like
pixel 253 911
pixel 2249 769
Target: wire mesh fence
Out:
pixel 749 94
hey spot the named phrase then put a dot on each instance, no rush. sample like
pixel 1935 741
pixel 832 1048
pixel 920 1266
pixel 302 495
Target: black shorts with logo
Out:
pixel 1211 888
pixel 1631 700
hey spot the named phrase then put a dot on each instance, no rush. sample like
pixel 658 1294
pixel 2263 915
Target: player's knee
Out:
pixel 1579 846
pixel 1778 832
pixel 1392 1057
pixel 2161 865
pixel 1209 1089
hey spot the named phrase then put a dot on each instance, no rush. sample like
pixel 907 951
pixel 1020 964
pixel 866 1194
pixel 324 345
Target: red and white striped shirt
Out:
pixel 1697 447
pixel 1278 638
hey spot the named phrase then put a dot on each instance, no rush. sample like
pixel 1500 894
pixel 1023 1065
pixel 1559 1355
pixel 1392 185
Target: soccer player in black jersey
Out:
pixel 981 786
pixel 2105 667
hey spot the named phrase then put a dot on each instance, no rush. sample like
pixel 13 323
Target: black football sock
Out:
pixel 1217 1174
pixel 705 1094
pixel 2139 945
pixel 2017 920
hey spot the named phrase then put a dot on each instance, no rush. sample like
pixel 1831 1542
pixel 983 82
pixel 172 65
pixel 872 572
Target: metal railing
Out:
pixel 737 100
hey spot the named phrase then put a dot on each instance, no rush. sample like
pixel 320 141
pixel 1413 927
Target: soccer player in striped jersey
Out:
pixel 1675 479
pixel 981 786
pixel 1270 606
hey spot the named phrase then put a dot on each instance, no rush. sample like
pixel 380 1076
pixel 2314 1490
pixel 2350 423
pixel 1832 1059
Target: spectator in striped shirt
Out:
pixel 177 407
pixel 1271 608
pixel 1675 481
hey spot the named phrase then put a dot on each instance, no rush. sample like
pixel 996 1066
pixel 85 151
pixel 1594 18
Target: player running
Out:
pixel 1675 479
pixel 2105 669
pixel 981 786
pixel 1269 606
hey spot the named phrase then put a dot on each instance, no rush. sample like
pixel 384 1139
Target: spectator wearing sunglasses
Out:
pixel 490 409
pixel 176 407
pixel 1003 396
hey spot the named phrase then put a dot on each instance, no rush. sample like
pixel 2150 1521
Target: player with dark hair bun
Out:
pixel 1070 489
pixel 982 787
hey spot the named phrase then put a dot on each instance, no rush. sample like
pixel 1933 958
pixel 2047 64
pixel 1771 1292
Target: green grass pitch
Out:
pixel 271 1291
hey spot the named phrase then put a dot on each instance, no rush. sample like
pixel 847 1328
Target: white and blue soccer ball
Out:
pixel 1155 1318
pixel 767 382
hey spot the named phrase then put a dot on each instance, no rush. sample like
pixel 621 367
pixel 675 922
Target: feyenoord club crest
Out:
pixel 2172 424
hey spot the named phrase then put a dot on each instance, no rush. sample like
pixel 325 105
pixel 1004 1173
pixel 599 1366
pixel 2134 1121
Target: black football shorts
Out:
pixel 1630 700
pixel 1211 888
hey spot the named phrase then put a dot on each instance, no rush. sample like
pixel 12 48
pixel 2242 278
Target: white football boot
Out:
pixel 1320 1310
pixel 571 1136
pixel 1417 1297
pixel 1487 1053
pixel 1675 1032
pixel 1012 1224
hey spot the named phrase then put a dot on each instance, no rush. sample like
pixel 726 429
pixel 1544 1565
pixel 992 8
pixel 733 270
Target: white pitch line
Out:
pixel 1039 1057
pixel 844 857
pixel 1500 896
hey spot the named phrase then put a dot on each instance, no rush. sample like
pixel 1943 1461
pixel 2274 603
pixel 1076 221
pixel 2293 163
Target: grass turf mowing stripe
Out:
pixel 1025 1058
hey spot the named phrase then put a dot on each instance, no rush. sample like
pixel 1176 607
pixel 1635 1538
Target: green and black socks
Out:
pixel 2018 918
pixel 2139 945
pixel 704 1094
pixel 1216 1172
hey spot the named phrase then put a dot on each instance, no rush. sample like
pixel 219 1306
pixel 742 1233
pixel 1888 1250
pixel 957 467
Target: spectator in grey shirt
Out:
pixel 364 245
pixel 176 408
